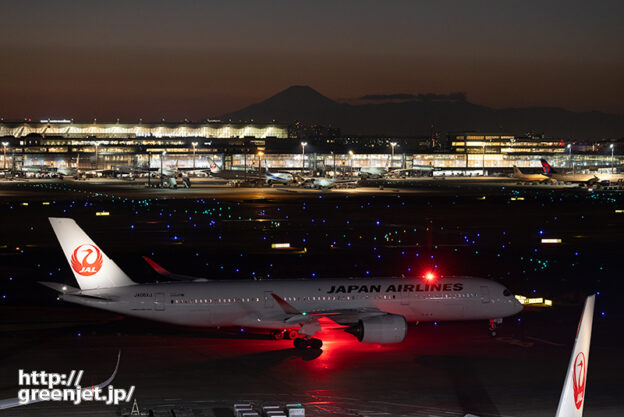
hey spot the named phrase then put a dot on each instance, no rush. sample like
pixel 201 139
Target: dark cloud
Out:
pixel 459 96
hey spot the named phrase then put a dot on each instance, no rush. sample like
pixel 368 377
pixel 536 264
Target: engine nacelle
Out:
pixel 386 329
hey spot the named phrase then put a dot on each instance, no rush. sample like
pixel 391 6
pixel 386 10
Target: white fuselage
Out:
pixel 251 304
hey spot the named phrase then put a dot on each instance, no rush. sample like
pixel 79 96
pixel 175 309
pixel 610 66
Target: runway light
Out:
pixel 550 241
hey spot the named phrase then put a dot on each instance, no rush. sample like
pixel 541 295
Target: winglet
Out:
pixel 62 288
pixel 573 393
pixel 159 269
pixel 288 309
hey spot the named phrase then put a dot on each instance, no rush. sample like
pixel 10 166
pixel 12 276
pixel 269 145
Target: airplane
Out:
pixel 373 310
pixel 415 170
pixel 372 172
pixel 236 172
pixel 552 173
pixel 324 182
pixel 589 180
pixel 38 171
pixel 519 175
pixel 382 172
pixel 278 177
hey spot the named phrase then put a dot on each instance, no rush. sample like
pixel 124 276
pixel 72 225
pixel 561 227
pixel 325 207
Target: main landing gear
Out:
pixel 493 325
pixel 305 343
pixel 285 334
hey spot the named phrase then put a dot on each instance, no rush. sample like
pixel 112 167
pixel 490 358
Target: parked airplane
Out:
pixel 519 175
pixel 325 182
pixel 235 172
pixel 278 177
pixel 415 170
pixel 552 173
pixel 381 172
pixel 372 172
pixel 374 310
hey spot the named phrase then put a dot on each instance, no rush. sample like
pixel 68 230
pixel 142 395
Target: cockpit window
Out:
pixel 507 293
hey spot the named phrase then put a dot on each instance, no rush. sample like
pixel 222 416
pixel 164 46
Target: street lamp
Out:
pixel 303 145
pixel 351 162
pixel 162 157
pixel 97 144
pixel 5 144
pixel 392 145
pixel 611 146
pixel 194 146
pixel 260 153
pixel 569 148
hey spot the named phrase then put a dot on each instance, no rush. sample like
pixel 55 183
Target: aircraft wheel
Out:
pixel 300 343
pixel 316 343
pixel 292 334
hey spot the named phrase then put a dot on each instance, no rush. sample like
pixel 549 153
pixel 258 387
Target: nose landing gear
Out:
pixel 493 325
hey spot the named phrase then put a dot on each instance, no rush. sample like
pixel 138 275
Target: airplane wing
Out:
pixel 15 402
pixel 344 317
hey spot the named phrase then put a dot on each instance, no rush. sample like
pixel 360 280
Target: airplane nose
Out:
pixel 516 306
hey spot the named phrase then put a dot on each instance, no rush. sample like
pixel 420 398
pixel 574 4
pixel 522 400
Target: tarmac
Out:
pixel 442 369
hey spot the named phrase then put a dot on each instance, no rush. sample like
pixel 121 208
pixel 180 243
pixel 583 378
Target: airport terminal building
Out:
pixel 63 143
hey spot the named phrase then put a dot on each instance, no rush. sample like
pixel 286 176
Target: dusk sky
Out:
pixel 197 59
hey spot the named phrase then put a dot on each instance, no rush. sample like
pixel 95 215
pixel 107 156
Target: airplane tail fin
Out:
pixel 214 168
pixel 516 171
pixel 547 168
pixel 573 393
pixel 90 265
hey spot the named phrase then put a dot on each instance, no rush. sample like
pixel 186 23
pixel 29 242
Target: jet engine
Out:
pixel 386 329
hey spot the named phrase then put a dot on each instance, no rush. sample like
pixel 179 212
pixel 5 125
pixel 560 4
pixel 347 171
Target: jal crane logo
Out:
pixel 86 260
pixel 578 380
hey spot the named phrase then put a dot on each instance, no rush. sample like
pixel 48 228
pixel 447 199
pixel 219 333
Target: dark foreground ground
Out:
pixel 440 370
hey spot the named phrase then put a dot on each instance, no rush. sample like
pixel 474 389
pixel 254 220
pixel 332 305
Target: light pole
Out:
pixel 162 158
pixel 351 163
pixel 97 144
pixel 149 169
pixel 5 144
pixel 303 145
pixel 483 159
pixel 392 145
pixel 611 146
pixel 569 148
pixel 194 146
pixel 260 153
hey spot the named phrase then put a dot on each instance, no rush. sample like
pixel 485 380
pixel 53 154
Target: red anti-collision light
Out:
pixel 429 276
